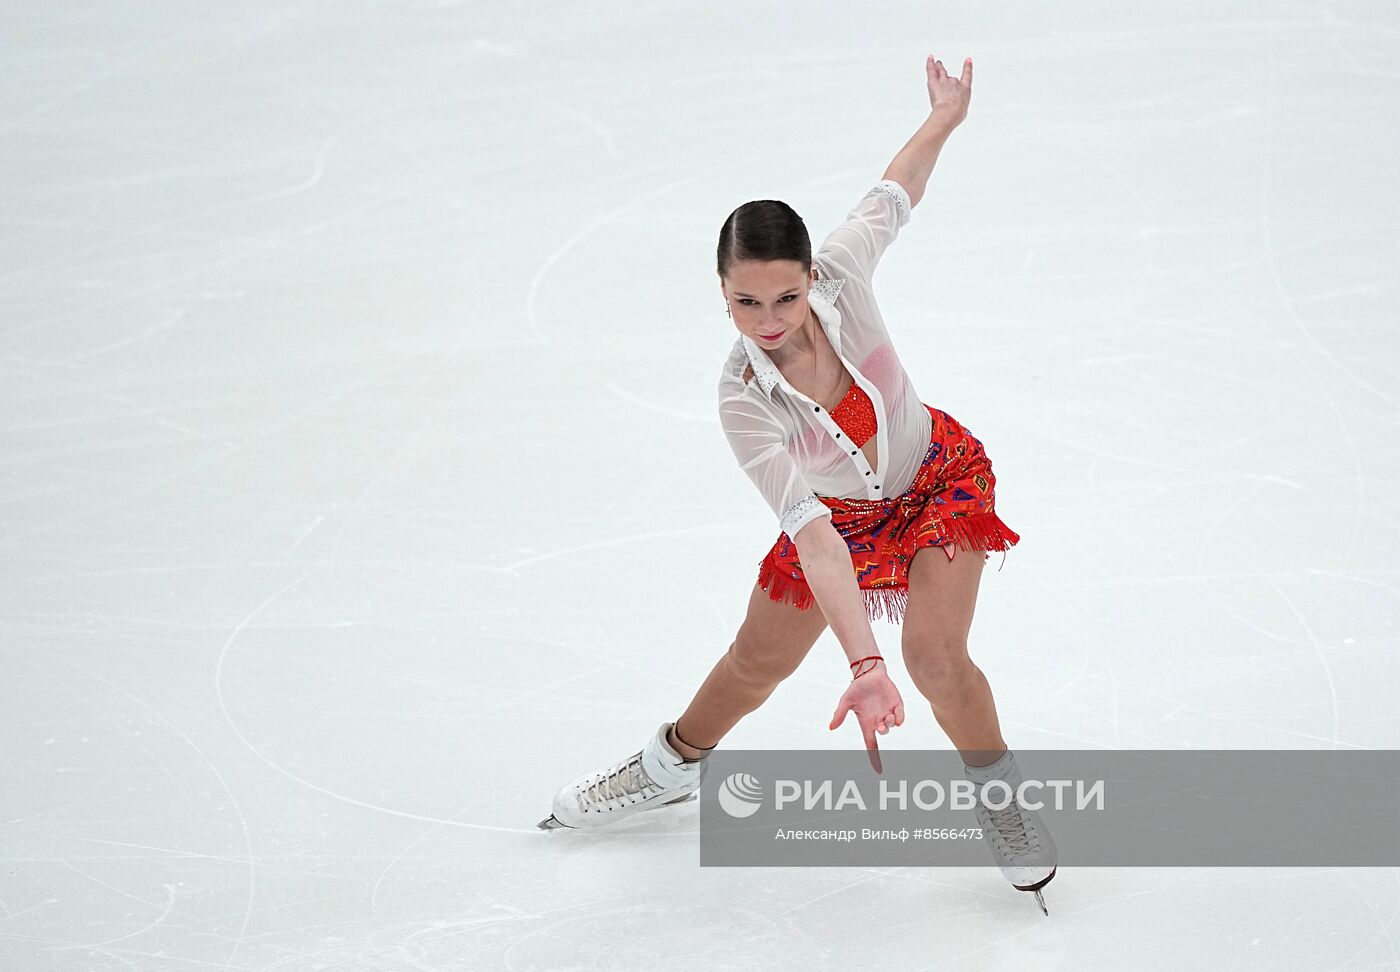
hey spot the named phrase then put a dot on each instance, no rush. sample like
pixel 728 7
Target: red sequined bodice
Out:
pixel 856 415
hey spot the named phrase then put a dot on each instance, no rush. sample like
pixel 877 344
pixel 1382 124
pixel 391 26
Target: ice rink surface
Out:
pixel 361 481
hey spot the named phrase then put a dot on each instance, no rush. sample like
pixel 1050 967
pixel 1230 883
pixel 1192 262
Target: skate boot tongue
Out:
pixel 996 771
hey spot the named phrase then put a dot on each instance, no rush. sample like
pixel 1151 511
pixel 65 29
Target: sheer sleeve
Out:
pixel 854 248
pixel 755 434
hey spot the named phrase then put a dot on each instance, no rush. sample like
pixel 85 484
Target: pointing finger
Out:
pixel 873 748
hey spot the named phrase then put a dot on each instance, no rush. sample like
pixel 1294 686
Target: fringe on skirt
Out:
pixel 972 531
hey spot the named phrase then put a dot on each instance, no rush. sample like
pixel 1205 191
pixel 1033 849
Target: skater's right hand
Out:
pixel 877 706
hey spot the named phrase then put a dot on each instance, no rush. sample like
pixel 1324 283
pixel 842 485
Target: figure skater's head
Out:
pixel 765 268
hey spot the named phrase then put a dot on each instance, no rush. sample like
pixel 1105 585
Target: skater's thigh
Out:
pixel 774 637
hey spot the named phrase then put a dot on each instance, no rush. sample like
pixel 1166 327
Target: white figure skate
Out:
pixel 657 776
pixel 1018 838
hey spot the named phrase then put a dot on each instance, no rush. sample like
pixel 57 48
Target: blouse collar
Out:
pixel 822 298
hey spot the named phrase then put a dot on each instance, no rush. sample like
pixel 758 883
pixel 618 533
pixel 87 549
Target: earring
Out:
pixel 726 311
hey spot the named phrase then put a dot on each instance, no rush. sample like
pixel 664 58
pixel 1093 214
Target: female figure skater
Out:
pixel 861 475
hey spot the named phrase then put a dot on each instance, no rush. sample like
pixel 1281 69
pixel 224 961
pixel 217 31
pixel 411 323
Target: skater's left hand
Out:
pixel 951 96
pixel 877 704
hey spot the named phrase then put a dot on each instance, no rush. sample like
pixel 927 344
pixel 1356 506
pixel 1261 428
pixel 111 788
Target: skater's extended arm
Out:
pixel 826 564
pixel 949 98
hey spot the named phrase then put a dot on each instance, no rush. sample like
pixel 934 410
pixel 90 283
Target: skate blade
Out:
pixel 552 823
pixel 1040 898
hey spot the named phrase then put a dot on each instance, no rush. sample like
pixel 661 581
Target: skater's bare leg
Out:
pixel 942 598
pixel 769 647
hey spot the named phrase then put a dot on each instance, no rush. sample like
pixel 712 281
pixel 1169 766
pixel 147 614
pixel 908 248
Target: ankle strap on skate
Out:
pixel 678 736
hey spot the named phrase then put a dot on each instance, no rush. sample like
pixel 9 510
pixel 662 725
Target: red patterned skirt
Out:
pixel 950 502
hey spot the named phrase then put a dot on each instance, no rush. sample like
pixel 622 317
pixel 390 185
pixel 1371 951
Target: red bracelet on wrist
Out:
pixel 867 658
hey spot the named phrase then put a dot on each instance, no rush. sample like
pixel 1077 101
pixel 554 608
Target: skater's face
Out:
pixel 767 299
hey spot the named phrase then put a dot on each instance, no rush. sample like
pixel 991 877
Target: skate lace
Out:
pixel 1012 827
pixel 624 779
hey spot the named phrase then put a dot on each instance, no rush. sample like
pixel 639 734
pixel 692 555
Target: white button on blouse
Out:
pixel 789 445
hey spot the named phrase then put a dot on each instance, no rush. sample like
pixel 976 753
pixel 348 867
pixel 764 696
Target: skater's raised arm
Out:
pixel 855 246
pixel 949 99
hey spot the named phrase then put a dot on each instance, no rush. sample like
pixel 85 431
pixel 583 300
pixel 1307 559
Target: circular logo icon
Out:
pixel 740 795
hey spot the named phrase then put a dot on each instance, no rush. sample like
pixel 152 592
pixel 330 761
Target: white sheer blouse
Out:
pixel 787 444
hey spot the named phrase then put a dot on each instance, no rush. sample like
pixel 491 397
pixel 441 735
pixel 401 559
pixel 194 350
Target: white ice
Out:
pixel 285 686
